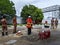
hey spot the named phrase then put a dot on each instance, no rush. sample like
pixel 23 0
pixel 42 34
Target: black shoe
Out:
pixel 2 33
pixel 6 33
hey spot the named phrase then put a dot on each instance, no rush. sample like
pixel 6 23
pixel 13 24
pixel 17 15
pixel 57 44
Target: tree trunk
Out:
pixel 38 21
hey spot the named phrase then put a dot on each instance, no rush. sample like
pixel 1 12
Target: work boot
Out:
pixel 2 33
pixel 6 33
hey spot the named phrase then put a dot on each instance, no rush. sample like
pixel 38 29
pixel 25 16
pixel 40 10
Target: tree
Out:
pixel 32 11
pixel 7 8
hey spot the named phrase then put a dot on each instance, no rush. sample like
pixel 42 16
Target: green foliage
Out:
pixel 6 7
pixel 32 11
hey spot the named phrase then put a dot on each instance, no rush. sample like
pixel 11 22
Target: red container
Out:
pixel 44 35
pixel 47 34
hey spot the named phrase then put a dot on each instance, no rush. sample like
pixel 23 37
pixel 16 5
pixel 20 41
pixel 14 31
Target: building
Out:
pixel 52 11
pixel 19 20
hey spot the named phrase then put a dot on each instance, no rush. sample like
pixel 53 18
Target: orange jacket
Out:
pixel 29 25
pixel 29 20
pixel 4 22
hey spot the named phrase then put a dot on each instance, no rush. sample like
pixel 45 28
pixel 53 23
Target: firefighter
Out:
pixel 45 23
pixel 56 22
pixel 14 24
pixel 4 26
pixel 29 24
pixel 52 23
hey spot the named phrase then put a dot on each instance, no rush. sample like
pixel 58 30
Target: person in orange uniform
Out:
pixel 45 24
pixel 14 24
pixel 29 24
pixel 4 26
pixel 52 23
pixel 56 22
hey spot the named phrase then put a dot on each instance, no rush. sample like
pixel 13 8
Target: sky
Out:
pixel 38 3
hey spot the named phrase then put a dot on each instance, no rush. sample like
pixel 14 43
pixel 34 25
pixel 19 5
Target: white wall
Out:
pixel 19 20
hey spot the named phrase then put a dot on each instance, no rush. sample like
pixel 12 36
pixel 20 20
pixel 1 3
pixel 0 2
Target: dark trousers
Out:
pixel 29 31
pixel 14 31
pixel 4 30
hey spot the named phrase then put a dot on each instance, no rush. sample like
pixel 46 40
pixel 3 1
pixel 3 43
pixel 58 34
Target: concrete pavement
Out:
pixel 31 39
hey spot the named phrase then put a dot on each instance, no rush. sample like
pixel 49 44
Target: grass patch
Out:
pixel 9 25
pixel 0 26
pixel 20 24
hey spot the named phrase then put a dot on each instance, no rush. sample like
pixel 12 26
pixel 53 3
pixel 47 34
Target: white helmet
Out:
pixel 29 16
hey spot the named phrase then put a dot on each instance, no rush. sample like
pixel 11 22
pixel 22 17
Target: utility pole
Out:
pixel 59 13
pixel 52 14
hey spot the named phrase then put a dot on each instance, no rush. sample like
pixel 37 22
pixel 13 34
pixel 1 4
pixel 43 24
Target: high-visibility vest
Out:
pixel 29 25
pixel 29 20
pixel 4 22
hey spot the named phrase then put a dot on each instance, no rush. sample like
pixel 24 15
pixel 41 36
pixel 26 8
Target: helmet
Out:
pixel 29 16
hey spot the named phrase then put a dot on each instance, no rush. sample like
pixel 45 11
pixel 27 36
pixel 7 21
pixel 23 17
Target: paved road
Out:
pixel 31 39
